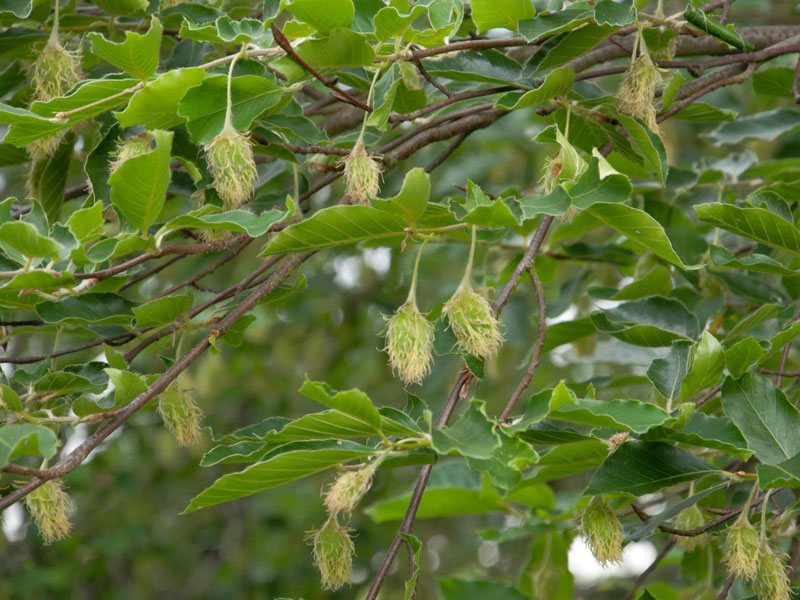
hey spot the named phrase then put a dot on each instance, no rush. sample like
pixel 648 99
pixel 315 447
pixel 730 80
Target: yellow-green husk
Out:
pixel 361 175
pixel 230 161
pixel 602 531
pixel 333 551
pixel 741 548
pixel 48 505
pixel 409 343
pixel 473 322
pixel 181 415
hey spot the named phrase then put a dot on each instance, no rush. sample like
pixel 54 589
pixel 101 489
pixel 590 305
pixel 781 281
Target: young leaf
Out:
pixel 137 55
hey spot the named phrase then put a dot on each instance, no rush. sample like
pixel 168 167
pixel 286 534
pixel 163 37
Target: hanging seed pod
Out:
pixel 181 416
pixel 48 505
pixel 345 494
pixel 690 518
pixel 603 531
pixel 635 96
pixel 772 581
pixel 230 161
pixel 361 175
pixel 473 322
pixel 333 551
pixel 129 148
pixel 742 544
pixel 409 343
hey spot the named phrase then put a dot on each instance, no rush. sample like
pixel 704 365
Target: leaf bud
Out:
pixel 333 551
pixel 409 343
pixel 230 161
pixel 473 322
pixel 48 505
pixel 361 175
pixel 181 416
pixel 603 531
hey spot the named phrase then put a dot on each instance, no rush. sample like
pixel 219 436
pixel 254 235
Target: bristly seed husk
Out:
pixel 131 147
pixel 635 96
pixel 687 519
pixel 772 581
pixel 362 175
pixel 409 343
pixel 603 531
pixel 473 322
pixel 181 415
pixel 742 543
pixel 333 551
pixel 48 505
pixel 231 164
pixel 348 490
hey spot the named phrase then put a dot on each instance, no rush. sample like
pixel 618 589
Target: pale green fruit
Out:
pixel 231 164
pixel 473 322
pixel 181 416
pixel 361 175
pixel 409 343
pixel 333 551
pixel 772 580
pixel 48 505
pixel 635 96
pixel 603 531
pixel 742 544
pixel 345 494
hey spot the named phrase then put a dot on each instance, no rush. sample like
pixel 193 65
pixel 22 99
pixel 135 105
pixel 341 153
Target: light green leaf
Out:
pixel 643 530
pixel 323 15
pixel 767 420
pixel 415 547
pixel 576 43
pixel 767 126
pixel 87 308
pixel 127 385
pixel 639 227
pixel 122 8
pixel 653 321
pixel 591 188
pixel 25 239
pixel 625 415
pixel 48 178
pixel 86 223
pixel 608 12
pixel 490 14
pixel 389 22
pixel 412 199
pixel 283 464
pixel 707 366
pixel 756 224
pixel 568 459
pixel 557 83
pixel 667 374
pixel 478 209
pixel 26 439
pixel 759 263
pixel 743 355
pixel 156 106
pixel 785 474
pixel 471 435
pixel 552 23
pixel 137 55
pixel 240 221
pixel 338 225
pixel 639 468
pixel 204 105
pixel 354 403
pixel 705 431
pixel 163 310
pixel 342 49
pixel 139 185
pixel 555 204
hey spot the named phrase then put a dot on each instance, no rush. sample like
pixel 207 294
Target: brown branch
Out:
pixel 400 117
pixel 430 79
pixel 649 570
pixel 708 396
pixel 796 82
pixel 77 456
pixel 142 276
pixel 329 82
pixel 447 152
pixel 726 587
pixel 541 336
pixel 733 79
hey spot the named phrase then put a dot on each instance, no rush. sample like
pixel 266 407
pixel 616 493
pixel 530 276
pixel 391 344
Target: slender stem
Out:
pixel 764 514
pixel 54 31
pixel 468 271
pixel 412 291
pixel 229 107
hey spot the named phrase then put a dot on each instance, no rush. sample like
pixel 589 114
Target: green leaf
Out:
pixel 667 374
pixel 127 385
pixel 457 589
pixel 767 126
pixel 707 366
pixel 649 145
pixel 91 97
pixel 283 464
pixel 653 321
pixel 784 474
pixel 608 12
pixel 226 30
pixel 625 415
pixel 163 310
pixel 556 204
pixel 240 221
pixel 767 420
pixel 557 83
pixel 63 382
pixel 576 43
pixel 415 548
pixel 342 49
pixel 639 227
pixel 323 15
pixel 567 459
pixel 552 23
pixel 471 435
pixel 26 440
pixel 743 355
pixel 645 467
pixel 86 223
pixel 87 308
pixel 156 105
pixel 25 239
pixel 591 188
pixel 389 22
pixel 759 263
pixel 204 105
pixel 763 313
pixel 478 209
pixel 705 431
pixel 338 225
pixel 9 399
pixel 508 461
pixel 756 224
pixel 137 55
pixel 490 14
pixel 488 66
pixel 724 33
pixel 48 178
pixel 354 403
pixel 122 8
pixel 412 199
pixel 139 185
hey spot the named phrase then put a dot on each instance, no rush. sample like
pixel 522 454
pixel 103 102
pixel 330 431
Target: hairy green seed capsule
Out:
pixel 635 96
pixel 473 322
pixel 742 544
pixel 49 505
pixel 230 161
pixel 361 175
pixel 603 531
pixel 129 148
pixel 409 343
pixel 772 580
pixel 333 551
pixel 181 416
pixel 690 518
pixel 345 494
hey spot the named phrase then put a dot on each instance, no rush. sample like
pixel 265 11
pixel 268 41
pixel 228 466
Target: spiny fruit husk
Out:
pixel 603 531
pixel 333 551
pixel 772 581
pixel 635 96
pixel 361 175
pixel 181 416
pixel 215 235
pixel 473 322
pixel 49 505
pixel 129 148
pixel 345 494
pixel 55 71
pixel 45 147
pixel 230 161
pixel 742 544
pixel 690 518
pixel 409 343
pixel 551 171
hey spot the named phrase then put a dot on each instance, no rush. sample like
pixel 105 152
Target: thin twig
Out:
pixel 708 395
pixel 430 79
pixel 726 587
pixel 649 570
pixel 447 152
